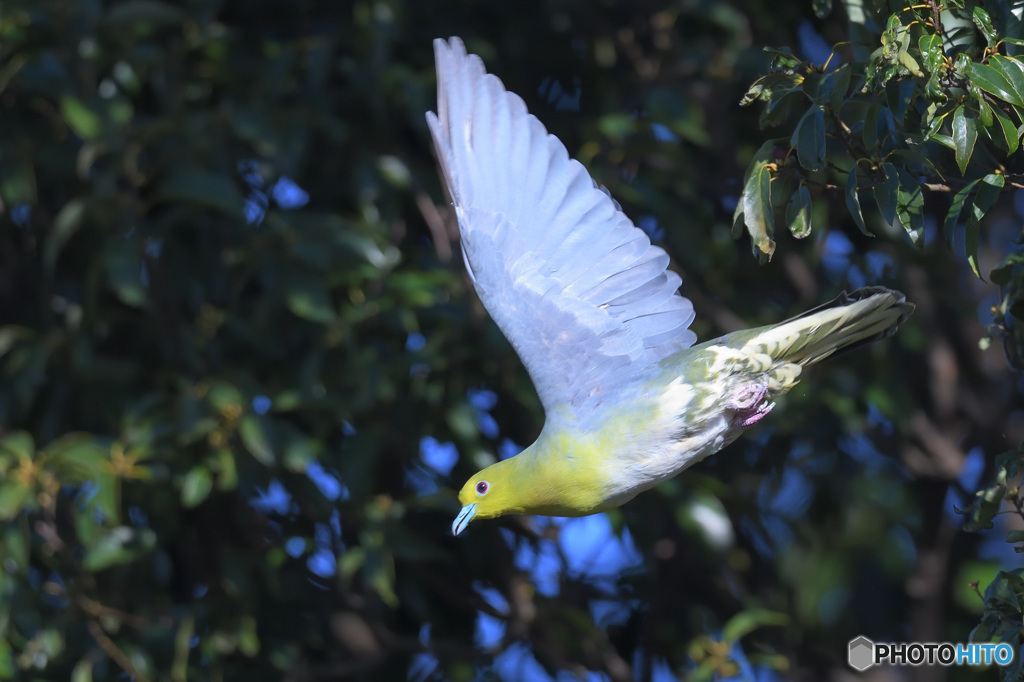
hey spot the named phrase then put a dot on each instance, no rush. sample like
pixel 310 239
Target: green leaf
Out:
pixel 202 189
pixel 80 118
pixel 995 82
pixel 1012 69
pixel 1010 133
pixel 82 672
pixel 13 497
pixel 809 139
pixel 118 546
pixel 930 45
pixel 853 201
pixel 985 113
pixel 910 207
pixel 124 272
pixel 870 132
pixel 256 438
pixel 16 551
pixel 960 200
pixel 1002 273
pixel 908 61
pixel 783 58
pixel 898 95
pixel 887 193
pixel 197 486
pixel 822 8
pixel 839 89
pixel 105 499
pixel 1005 589
pixel 758 214
pixel 80 456
pixel 307 298
pixel 984 23
pixel 19 444
pixel 798 213
pixel 222 462
pixel 222 396
pixel 989 189
pixel 745 622
pixel 461 418
pixel 763 154
pixel 965 134
pixel 299 452
pixel 67 222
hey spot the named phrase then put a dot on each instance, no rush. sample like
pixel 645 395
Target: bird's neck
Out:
pixel 566 474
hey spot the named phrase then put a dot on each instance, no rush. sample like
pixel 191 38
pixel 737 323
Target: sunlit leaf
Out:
pixel 758 214
pixel 798 213
pixel 995 82
pixel 984 23
pixel 965 134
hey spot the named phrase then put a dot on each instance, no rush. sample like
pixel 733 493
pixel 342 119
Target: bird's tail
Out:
pixel 851 320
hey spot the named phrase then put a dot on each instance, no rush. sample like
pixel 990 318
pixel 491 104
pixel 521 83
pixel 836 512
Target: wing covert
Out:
pixel 578 290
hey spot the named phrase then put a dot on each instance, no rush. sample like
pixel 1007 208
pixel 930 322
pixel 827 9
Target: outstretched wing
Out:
pixel 577 289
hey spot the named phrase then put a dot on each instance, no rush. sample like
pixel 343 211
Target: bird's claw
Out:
pixel 750 405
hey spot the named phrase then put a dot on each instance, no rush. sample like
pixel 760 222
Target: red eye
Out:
pixel 482 487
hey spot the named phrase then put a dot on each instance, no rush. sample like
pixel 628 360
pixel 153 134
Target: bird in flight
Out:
pixel 595 315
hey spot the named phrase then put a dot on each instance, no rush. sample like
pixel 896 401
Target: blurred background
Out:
pixel 242 369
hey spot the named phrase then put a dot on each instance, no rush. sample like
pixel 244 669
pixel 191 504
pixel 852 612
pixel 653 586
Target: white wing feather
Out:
pixel 578 290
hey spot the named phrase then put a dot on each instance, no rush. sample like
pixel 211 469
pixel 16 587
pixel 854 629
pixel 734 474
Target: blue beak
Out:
pixel 463 519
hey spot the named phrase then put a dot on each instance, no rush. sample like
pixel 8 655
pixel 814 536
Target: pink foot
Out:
pixel 749 397
pixel 750 405
pixel 757 414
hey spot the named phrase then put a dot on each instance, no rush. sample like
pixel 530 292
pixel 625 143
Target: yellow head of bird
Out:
pixel 488 494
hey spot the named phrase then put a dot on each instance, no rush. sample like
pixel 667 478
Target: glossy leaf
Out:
pixel 965 134
pixel 1010 133
pixel 887 193
pixel 910 207
pixel 758 214
pixel 798 213
pixel 989 190
pixel 809 139
pixel 962 200
pixel 853 201
pixel 995 81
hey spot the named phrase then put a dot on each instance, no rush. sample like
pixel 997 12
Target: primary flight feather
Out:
pixel 590 307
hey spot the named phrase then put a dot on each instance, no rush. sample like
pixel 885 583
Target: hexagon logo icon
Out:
pixel 861 655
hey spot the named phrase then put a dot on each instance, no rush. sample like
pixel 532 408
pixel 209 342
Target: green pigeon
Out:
pixel 595 315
